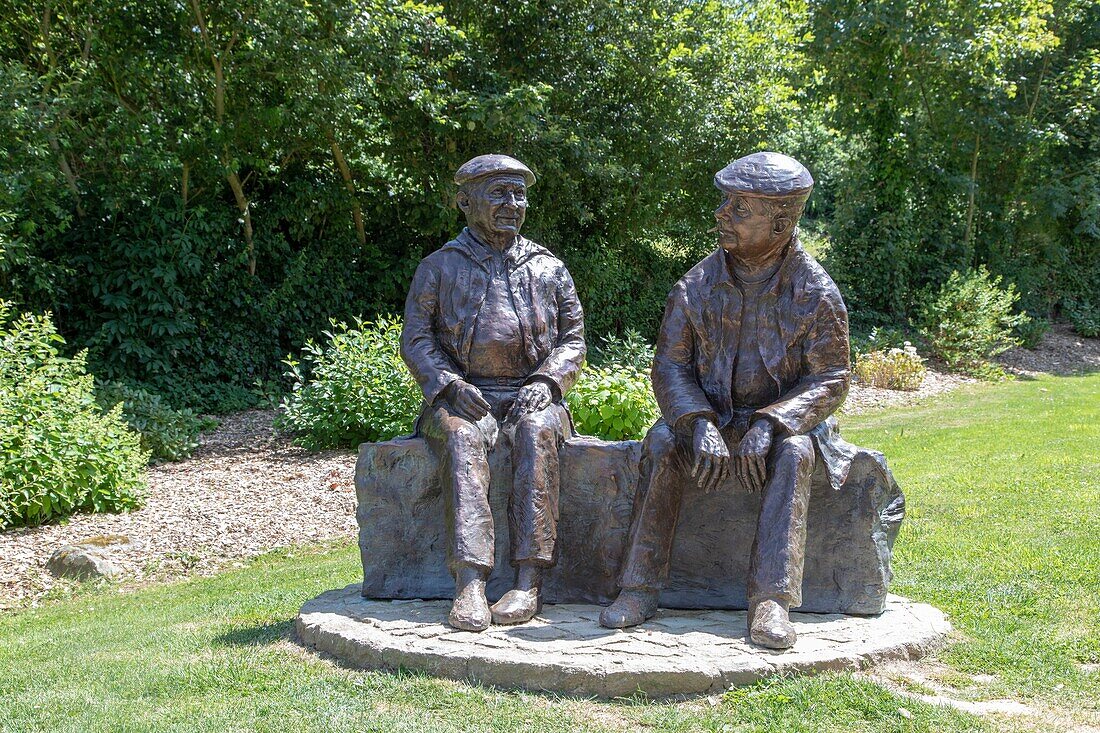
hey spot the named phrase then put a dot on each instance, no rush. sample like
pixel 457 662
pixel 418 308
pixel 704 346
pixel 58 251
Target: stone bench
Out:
pixel 402 535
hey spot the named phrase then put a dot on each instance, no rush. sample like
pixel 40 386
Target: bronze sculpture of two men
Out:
pixel 752 358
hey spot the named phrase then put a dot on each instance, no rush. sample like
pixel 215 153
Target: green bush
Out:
pixel 167 434
pixel 351 390
pixel 613 402
pixel 878 338
pixel 891 368
pixel 1031 331
pixel 970 320
pixel 630 349
pixel 59 453
pixel 1084 316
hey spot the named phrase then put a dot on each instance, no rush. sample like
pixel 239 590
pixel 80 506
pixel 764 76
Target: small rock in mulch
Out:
pixel 82 562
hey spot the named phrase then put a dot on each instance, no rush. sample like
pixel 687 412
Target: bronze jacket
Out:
pixel 447 292
pixel 802 333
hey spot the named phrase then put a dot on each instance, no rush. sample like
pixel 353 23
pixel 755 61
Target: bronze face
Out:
pixel 747 229
pixel 495 206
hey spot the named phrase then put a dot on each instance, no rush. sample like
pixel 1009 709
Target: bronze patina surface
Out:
pixel 494 335
pixel 752 360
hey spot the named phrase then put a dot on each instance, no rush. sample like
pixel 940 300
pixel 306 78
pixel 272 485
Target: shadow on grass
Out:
pixel 257 635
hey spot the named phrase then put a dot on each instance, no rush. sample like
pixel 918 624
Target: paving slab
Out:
pixel 564 650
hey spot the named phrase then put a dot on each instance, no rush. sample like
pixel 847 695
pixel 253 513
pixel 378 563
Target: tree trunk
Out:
pixel 242 204
pixel 67 171
pixel 973 191
pixel 349 184
pixel 216 60
pixel 184 185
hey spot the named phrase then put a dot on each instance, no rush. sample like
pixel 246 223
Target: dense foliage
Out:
pixel 631 349
pixel 613 399
pixel 613 402
pixel 166 434
pixel 971 319
pixel 1084 314
pixel 353 389
pixel 196 188
pixel 972 133
pixel 58 452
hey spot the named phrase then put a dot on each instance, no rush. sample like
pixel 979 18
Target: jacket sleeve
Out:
pixel 826 370
pixel 675 385
pixel 562 365
pixel 429 364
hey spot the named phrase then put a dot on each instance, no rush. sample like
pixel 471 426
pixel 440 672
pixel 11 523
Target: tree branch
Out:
pixel 349 184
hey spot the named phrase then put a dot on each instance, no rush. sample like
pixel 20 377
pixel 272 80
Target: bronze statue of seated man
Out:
pixel 494 335
pixel 752 357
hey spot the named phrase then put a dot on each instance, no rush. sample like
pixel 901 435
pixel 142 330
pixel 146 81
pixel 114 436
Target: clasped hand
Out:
pixel 712 460
pixel 468 402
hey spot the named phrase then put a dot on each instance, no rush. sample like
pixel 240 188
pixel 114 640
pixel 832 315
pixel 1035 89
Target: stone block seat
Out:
pixel 403 537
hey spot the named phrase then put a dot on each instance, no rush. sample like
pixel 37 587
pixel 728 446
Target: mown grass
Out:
pixel 1003 530
pixel 1002 534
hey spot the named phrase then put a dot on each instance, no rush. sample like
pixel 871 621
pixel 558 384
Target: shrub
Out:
pixel 613 402
pixel 167 434
pixel 877 339
pixel 1084 316
pixel 630 349
pixel 971 320
pixel 59 453
pixel 891 368
pixel 353 389
pixel 1031 331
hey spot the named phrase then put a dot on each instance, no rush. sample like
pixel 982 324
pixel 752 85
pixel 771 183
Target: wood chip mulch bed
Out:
pixel 248 490
pixel 245 491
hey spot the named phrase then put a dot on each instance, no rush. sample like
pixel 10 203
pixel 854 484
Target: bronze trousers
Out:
pixel 779 548
pixel 462 448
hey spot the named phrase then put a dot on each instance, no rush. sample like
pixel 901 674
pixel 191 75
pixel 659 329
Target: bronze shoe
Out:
pixel 631 608
pixel 516 606
pixel 470 610
pixel 770 624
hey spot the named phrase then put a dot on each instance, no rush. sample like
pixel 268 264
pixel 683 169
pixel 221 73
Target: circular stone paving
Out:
pixel 565 650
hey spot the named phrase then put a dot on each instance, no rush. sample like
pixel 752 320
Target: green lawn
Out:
pixel 1003 530
pixel 1004 491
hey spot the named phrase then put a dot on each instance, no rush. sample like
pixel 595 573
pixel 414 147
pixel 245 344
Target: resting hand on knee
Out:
pixel 752 455
pixel 530 398
pixel 467 400
pixel 711 456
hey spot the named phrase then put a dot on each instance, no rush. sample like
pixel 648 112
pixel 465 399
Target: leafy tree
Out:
pixel 925 90
pixel 200 186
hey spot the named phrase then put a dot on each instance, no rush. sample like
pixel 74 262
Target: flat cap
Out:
pixel 765 174
pixel 484 165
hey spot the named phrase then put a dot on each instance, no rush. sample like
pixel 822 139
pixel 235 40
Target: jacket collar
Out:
pixel 522 249
pixel 718 270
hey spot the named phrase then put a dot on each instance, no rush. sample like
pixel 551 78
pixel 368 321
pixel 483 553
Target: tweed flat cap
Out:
pixel 765 174
pixel 484 165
